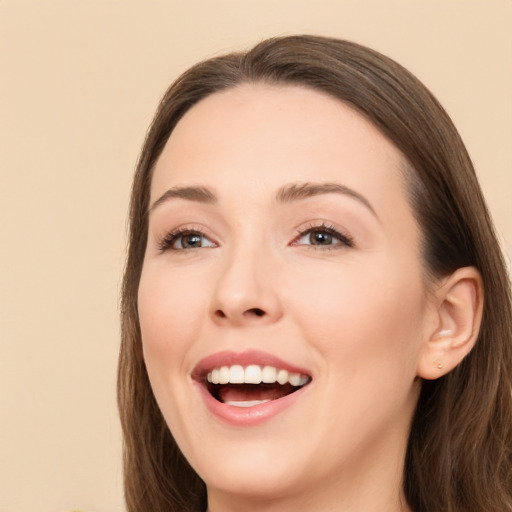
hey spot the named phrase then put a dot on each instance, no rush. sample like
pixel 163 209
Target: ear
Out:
pixel 454 323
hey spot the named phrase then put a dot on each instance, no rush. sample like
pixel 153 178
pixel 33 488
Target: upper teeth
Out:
pixel 254 374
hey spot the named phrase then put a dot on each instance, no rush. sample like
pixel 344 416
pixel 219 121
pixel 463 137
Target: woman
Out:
pixel 316 314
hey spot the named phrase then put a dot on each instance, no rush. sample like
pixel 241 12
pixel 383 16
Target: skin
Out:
pixel 356 316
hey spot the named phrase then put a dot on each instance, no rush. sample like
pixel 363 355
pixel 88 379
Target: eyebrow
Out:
pixel 298 191
pixel 286 194
pixel 198 194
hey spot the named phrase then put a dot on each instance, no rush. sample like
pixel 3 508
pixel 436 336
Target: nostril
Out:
pixel 252 312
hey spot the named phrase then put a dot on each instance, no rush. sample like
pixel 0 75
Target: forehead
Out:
pixel 268 135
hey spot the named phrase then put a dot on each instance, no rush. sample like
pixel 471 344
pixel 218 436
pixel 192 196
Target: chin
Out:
pixel 253 484
pixel 254 470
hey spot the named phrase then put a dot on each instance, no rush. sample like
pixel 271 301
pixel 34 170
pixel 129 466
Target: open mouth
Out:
pixel 248 386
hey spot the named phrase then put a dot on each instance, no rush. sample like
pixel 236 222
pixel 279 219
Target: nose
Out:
pixel 246 291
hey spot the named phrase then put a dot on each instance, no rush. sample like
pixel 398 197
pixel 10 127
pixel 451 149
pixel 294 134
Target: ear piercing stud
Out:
pixel 440 365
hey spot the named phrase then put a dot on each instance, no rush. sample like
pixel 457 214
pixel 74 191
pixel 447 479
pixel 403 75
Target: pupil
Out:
pixel 191 241
pixel 320 238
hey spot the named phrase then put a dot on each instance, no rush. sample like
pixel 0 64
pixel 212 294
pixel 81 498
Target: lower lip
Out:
pixel 248 416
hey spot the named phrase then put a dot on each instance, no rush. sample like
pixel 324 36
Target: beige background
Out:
pixel 79 81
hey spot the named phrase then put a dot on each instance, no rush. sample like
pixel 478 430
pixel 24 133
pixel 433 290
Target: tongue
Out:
pixel 252 392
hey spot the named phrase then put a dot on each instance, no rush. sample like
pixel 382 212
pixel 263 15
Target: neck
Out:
pixel 365 502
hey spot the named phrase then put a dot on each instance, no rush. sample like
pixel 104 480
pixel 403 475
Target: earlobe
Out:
pixel 455 324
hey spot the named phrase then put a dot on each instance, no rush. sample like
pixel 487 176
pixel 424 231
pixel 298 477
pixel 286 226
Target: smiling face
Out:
pixel 282 301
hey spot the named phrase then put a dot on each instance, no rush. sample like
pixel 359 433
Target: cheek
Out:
pixel 169 304
pixel 364 317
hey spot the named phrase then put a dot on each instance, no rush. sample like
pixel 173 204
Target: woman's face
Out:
pixel 283 265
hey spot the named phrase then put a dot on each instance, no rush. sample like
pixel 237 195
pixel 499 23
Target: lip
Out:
pixel 245 416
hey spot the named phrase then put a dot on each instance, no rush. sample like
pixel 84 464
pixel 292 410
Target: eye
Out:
pixel 323 236
pixel 184 239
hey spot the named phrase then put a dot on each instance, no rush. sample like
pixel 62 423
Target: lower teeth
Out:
pixel 246 403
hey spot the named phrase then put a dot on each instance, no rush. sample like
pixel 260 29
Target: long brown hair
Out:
pixel 459 456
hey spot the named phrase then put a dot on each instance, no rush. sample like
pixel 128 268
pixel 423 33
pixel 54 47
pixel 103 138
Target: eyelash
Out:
pixel 167 241
pixel 346 240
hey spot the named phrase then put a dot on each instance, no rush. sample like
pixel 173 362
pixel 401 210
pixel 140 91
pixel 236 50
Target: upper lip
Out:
pixel 245 358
